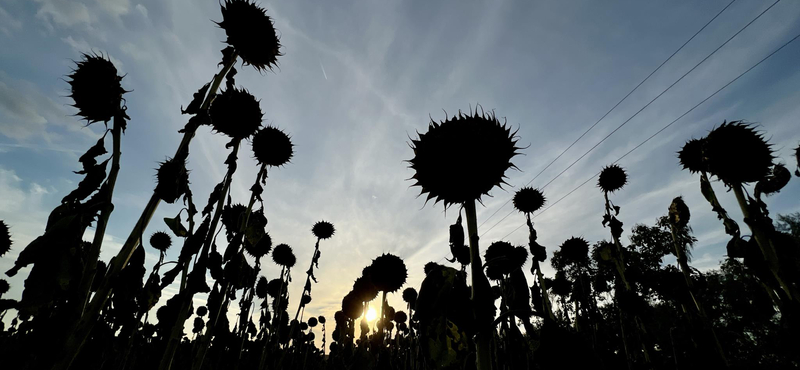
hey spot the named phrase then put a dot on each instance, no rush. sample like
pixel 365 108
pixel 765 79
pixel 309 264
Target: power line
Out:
pixel 614 107
pixel 644 107
pixel 663 128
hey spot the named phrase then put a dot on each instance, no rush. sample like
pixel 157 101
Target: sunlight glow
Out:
pixel 371 314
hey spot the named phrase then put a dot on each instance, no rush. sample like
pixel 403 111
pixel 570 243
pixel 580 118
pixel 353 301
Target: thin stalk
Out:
pixel 84 326
pixel 483 358
pixel 308 279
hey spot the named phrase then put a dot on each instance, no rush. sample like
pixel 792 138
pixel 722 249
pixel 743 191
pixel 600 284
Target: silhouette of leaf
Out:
pixel 176 226
pixel 197 100
pixel 91 182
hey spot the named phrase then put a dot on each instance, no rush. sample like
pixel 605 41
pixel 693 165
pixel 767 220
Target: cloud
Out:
pixel 8 23
pixel 64 13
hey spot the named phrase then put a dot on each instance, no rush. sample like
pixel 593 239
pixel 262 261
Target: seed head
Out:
pixel 351 306
pixel 251 33
pixel 575 250
pixel 736 153
pixel 172 180
pixel 388 272
pixel 691 156
pixel 528 200
pixel 202 311
pixel 612 178
pixel 161 241
pixel 321 319
pixel 323 230
pixel 410 296
pixel 312 321
pixel 236 113
pixel 261 248
pixel 96 88
pixel 5 238
pixel 679 213
pixel 274 288
pixel 283 255
pixel 502 259
pixel 364 289
pixel 462 158
pixel 272 147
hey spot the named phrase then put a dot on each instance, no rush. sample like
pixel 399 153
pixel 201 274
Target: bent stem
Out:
pixel 483 358
pixel 77 337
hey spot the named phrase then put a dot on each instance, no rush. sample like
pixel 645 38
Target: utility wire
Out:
pixel 662 129
pixel 644 107
pixel 614 107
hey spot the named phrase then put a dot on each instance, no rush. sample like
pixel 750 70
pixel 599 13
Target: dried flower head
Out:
pixel 351 306
pixel 172 180
pixel 261 248
pixel 161 241
pixel 272 147
pixel 283 255
pixel 236 113
pixel 575 250
pixel 96 88
pixel 691 156
pixel 462 158
pixel 312 322
pixel 321 319
pixel 612 178
pixel 323 230
pixel 502 259
pixel 736 153
pixel 261 287
pixel 251 33
pixel 410 296
pixel 202 311
pixel 528 200
pixel 364 289
pixel 5 238
pixel 388 272
pixel 679 213
pixel 274 288
pixel 400 317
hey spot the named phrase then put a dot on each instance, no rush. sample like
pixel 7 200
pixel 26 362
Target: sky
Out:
pixel 360 78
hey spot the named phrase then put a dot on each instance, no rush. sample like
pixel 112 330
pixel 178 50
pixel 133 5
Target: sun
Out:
pixel 372 314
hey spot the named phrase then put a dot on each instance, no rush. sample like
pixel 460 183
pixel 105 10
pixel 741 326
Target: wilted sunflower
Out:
pixel 400 317
pixel 410 296
pixel 364 289
pixel 736 153
pixel 274 288
pixel 462 158
pixel 502 258
pixel 236 113
pixel 612 178
pixel 172 180
pixel 283 255
pixel 528 200
pixel 691 156
pixel 161 241
pixel 679 212
pixel 388 273
pixel 323 230
pixel 5 238
pixel 351 306
pixel 251 33
pixel 575 250
pixel 261 248
pixel 272 147
pixel 96 88
pixel 261 288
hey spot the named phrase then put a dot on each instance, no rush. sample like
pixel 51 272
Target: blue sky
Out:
pixel 359 77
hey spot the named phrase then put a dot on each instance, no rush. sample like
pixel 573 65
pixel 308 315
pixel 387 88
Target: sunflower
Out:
pixel 272 147
pixel 161 241
pixel 96 88
pixel 462 158
pixel 364 289
pixel 736 153
pixel 251 33
pixel 575 250
pixel 236 113
pixel 323 230
pixel 528 200
pixel 283 255
pixel 679 213
pixel 261 248
pixel 5 238
pixel 691 156
pixel 172 180
pixel 612 178
pixel 388 273
pixel 502 258
pixel 410 296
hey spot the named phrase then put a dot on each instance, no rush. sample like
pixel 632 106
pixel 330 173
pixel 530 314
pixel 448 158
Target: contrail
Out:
pixel 323 71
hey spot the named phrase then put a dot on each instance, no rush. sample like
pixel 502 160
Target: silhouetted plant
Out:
pixel 5 239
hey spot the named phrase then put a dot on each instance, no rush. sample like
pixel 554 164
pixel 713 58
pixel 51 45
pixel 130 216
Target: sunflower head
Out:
pixel 274 288
pixel 236 113
pixel 462 158
pixel 312 322
pixel 351 306
pixel 321 319
pixel 5 238
pixel 528 200
pixel 262 287
pixel 736 153
pixel 283 255
pixel 365 289
pixel 323 229
pixel 172 180
pixel 410 296
pixel 691 156
pixel 272 147
pixel 575 250
pixel 388 273
pixel 502 259
pixel 400 317
pixel 612 178
pixel 261 248
pixel 161 241
pixel 251 33
pixel 679 212
pixel 96 88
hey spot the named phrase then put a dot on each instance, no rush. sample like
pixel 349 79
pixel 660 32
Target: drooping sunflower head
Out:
pixel 364 289
pixel 502 259
pixel 612 178
pixel 5 238
pixel 261 248
pixel 736 153
pixel 262 287
pixel 410 296
pixel 323 230
pixel 679 212
pixel 575 250
pixel 161 241
pixel 283 255
pixel 272 147
pixel 236 113
pixel 96 88
pixel 528 200
pixel 172 180
pixel 691 156
pixel 463 158
pixel 251 33
pixel 388 273
pixel 351 306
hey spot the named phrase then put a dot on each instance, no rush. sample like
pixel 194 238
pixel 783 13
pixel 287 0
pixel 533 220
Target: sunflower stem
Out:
pixel 483 358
